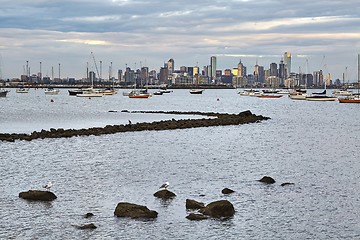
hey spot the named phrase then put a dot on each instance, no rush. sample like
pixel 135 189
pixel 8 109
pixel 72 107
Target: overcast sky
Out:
pixel 135 33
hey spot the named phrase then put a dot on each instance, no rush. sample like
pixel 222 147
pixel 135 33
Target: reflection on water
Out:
pixel 312 144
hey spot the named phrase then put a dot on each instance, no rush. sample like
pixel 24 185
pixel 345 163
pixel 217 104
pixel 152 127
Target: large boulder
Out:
pixel 38 195
pixel 219 209
pixel 164 194
pixel 267 179
pixel 124 209
pixel 192 204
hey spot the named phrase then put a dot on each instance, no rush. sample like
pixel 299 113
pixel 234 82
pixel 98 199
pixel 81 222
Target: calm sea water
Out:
pixel 312 144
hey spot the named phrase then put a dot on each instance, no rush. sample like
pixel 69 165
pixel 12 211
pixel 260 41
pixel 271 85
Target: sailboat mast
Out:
pixel 358 74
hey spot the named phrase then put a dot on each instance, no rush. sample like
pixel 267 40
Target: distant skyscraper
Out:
pixel 273 70
pixel 213 68
pixel 287 63
pixel 282 72
pixel 171 66
pixel 241 69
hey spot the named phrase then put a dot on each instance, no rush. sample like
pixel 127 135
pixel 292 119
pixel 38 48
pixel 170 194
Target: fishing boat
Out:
pixel 298 96
pixel 74 92
pixel 90 93
pixel 355 98
pixel 139 94
pixel 320 98
pixel 196 91
pixel 269 96
pixel 342 92
pixel 3 92
pixel 22 90
pixel 52 91
pixel 250 93
pixel 109 91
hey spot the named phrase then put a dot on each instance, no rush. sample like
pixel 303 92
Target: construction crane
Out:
pixel 97 70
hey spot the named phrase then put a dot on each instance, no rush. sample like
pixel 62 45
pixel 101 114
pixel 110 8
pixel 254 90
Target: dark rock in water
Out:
pixel 124 110
pixel 112 111
pixel 196 216
pixel 227 191
pixel 87 226
pixel 267 179
pixel 164 194
pixel 89 215
pixel 219 209
pixel 38 195
pixel 124 209
pixel 192 204
pixel 287 183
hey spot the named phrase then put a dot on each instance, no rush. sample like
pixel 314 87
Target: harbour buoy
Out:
pixel 51 100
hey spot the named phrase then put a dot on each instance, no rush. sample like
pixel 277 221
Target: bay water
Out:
pixel 314 145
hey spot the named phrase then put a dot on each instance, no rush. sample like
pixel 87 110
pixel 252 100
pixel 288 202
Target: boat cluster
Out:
pixel 342 95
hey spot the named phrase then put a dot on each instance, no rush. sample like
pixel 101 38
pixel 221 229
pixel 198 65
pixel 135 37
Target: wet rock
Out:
pixel 219 209
pixel 192 204
pixel 124 209
pixel 38 195
pixel 164 194
pixel 89 215
pixel 287 183
pixel 267 179
pixel 227 191
pixel 196 216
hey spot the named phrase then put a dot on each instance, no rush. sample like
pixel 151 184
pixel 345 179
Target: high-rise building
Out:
pixel 282 72
pixel 213 68
pixel 196 70
pixel 318 78
pixel 287 63
pixel 241 70
pixel 171 65
pixel 273 70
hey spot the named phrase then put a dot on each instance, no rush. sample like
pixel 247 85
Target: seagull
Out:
pixel 165 185
pixel 129 122
pixel 48 186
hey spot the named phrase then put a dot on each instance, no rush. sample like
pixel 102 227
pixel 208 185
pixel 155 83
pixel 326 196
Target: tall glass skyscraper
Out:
pixel 213 68
pixel 287 63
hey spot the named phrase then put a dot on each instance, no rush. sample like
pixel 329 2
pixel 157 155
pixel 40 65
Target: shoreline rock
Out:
pixel 214 119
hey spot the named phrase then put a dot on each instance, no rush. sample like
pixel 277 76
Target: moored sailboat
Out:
pixel 353 98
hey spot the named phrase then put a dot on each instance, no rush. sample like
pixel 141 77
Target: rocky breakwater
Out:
pixel 209 120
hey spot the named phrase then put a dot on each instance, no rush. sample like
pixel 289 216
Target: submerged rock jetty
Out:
pixel 210 119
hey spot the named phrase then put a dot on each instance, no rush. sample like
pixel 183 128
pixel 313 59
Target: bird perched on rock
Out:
pixel 165 185
pixel 48 186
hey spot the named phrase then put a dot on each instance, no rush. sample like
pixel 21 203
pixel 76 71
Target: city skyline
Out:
pixel 323 35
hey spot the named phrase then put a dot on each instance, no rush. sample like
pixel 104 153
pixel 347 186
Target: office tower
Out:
pixel 282 72
pixel 287 63
pixel 273 70
pixel 213 68
pixel 241 70
pixel 196 70
pixel 171 66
